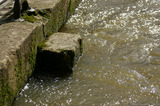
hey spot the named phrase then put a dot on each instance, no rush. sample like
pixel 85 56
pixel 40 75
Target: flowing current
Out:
pixel 120 64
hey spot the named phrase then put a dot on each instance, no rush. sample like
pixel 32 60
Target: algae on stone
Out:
pixel 41 45
pixel 6 92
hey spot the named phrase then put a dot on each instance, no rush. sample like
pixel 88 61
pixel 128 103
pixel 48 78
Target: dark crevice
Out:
pixel 56 64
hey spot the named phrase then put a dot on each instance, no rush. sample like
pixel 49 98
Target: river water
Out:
pixel 120 64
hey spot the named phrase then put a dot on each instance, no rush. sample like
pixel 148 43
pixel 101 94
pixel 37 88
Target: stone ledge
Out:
pixel 17 57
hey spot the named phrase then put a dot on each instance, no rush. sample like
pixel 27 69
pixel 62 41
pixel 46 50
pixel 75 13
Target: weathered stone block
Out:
pixel 16 61
pixel 60 53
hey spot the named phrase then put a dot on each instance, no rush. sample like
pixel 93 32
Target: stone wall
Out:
pixel 19 42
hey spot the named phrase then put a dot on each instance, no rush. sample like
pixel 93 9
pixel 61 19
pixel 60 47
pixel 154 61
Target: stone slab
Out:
pixel 59 42
pixel 12 36
pixel 15 50
pixel 61 52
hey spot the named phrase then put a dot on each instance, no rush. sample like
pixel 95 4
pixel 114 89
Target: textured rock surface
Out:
pixel 60 54
pixel 59 42
pixel 43 4
pixel 19 40
pixel 17 57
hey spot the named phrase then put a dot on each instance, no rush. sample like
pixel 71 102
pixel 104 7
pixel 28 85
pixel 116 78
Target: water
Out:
pixel 120 63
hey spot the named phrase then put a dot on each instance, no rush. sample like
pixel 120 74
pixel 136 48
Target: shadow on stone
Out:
pixel 7 17
pixel 57 64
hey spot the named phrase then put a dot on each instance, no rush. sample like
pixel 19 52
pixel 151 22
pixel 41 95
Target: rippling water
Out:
pixel 120 63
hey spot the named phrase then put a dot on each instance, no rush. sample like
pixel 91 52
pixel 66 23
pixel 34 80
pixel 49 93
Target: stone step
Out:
pixel 59 54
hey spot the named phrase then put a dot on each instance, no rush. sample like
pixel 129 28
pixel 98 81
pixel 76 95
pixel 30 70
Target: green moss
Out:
pixel 6 93
pixel 33 53
pixel 45 13
pixel 19 72
pixel 71 6
pixel 29 18
pixel 18 66
pixel 49 33
pixel 36 13
pixel 46 16
pixel 41 46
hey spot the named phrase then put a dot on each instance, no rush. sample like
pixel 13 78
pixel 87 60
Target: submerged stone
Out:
pixel 60 53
